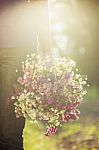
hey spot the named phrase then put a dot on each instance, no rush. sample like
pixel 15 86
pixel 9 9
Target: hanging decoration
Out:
pixel 49 91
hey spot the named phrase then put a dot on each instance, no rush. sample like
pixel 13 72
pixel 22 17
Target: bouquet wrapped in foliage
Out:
pixel 49 90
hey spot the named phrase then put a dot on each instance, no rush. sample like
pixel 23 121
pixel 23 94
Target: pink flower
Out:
pixel 50 101
pixel 70 106
pixel 51 131
pixel 20 80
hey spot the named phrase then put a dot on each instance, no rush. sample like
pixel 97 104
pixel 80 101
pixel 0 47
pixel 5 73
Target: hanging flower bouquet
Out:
pixel 49 90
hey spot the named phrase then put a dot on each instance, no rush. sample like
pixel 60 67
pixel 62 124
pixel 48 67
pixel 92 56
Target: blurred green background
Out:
pixel 74 34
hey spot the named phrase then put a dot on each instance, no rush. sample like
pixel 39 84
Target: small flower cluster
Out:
pixel 49 90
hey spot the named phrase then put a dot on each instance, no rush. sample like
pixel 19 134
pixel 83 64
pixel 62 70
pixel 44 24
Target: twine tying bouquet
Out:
pixel 49 90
